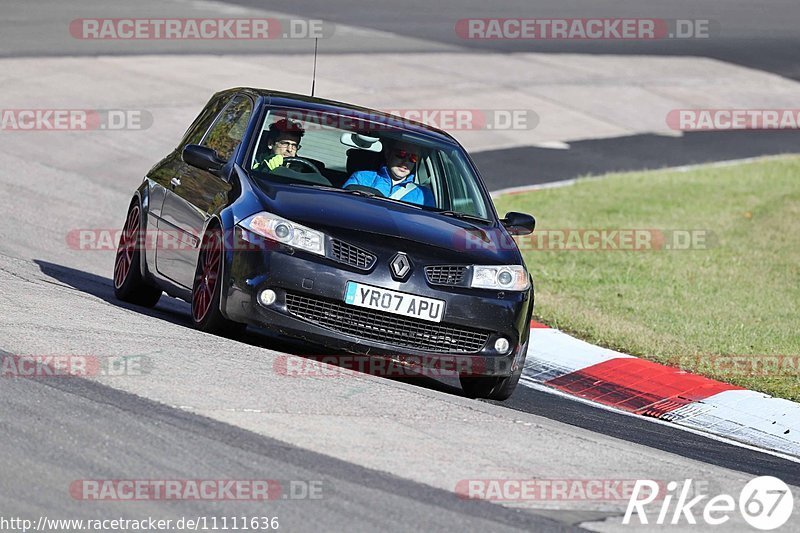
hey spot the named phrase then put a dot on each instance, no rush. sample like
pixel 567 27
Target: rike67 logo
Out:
pixel 765 503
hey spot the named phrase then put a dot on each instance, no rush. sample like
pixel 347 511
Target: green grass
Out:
pixel 740 296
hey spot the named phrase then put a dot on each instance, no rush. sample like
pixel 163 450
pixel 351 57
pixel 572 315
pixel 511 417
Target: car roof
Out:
pixel 321 105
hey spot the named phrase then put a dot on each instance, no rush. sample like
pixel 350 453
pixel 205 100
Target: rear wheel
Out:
pixel 129 286
pixel 207 289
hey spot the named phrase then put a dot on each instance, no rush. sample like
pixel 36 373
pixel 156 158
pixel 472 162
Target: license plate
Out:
pixel 398 303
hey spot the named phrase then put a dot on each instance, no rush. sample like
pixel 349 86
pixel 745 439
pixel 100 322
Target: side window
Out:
pixel 227 132
pixel 203 121
pixel 463 193
pixel 427 178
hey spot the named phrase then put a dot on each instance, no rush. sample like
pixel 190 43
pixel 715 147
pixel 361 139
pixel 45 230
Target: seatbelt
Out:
pixel 403 191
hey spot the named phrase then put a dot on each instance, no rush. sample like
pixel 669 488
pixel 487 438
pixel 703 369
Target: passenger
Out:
pixel 283 140
pixel 396 179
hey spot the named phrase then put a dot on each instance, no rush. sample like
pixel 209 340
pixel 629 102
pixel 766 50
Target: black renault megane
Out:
pixel 337 225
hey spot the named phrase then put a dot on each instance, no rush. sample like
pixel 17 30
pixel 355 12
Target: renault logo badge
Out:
pixel 401 266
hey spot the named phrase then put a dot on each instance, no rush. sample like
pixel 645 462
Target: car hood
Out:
pixel 348 216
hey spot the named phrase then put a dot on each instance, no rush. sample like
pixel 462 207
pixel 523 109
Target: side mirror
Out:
pixel 202 157
pixel 519 223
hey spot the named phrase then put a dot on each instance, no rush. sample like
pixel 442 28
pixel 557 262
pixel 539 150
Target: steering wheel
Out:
pixel 305 163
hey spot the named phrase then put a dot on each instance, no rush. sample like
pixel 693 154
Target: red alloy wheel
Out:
pixel 207 277
pixel 126 248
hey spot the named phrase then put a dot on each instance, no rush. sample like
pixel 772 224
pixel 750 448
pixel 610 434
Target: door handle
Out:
pixel 175 182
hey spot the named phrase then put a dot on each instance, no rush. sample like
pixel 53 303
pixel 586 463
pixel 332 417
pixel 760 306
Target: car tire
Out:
pixel 207 288
pixel 492 388
pixel 129 286
pixel 495 388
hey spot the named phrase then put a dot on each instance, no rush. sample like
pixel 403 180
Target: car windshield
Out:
pixel 370 158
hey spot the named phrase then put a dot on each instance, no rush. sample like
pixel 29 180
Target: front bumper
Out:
pixel 295 275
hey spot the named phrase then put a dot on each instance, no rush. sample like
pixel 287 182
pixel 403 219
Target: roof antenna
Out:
pixel 314 75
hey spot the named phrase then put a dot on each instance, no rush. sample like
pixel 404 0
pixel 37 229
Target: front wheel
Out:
pixel 129 286
pixel 495 388
pixel 492 388
pixel 207 289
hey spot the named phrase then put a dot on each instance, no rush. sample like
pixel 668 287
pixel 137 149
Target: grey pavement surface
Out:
pixel 754 34
pixel 214 408
pixel 29 29
pixel 604 102
pixel 58 300
pixel 759 35
pixel 63 430
pixel 594 113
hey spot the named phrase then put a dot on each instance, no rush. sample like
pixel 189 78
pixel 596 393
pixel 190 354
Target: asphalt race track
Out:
pixel 385 454
pixel 758 36
pixel 749 36
pixel 763 37
pixel 110 430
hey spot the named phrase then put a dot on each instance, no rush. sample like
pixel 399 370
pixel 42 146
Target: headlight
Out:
pixel 506 277
pixel 286 232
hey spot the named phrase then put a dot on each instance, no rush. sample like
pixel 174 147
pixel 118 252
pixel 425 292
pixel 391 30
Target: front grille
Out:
pixel 351 255
pixel 446 274
pixel 403 332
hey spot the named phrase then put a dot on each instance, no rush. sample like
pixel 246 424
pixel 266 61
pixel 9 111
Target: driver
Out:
pixel 283 140
pixel 396 179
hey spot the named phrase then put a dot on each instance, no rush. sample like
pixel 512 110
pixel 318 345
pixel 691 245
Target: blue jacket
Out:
pixel 406 190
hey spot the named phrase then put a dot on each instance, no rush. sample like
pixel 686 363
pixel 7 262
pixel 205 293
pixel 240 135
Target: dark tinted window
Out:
pixel 203 121
pixel 336 147
pixel 227 132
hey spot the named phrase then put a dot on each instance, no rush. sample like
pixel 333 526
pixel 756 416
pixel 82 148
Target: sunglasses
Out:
pixel 405 155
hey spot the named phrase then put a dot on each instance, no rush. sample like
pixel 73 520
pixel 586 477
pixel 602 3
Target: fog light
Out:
pixel 267 297
pixel 501 345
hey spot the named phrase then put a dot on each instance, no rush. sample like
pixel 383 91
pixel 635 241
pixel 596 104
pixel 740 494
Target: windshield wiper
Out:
pixel 358 192
pixel 367 194
pixel 464 216
pixel 335 189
